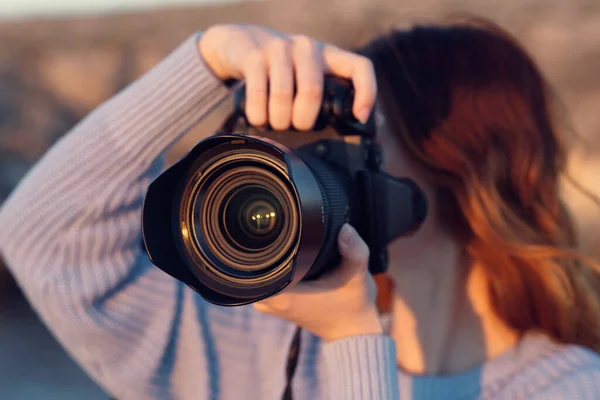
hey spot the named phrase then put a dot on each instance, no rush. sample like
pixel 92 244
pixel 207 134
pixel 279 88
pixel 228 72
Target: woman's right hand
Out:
pixel 272 64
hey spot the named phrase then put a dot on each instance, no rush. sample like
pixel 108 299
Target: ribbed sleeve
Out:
pixel 362 367
pixel 70 232
pixel 111 152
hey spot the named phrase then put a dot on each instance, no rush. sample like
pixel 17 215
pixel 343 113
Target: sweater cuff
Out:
pixel 362 367
pixel 165 103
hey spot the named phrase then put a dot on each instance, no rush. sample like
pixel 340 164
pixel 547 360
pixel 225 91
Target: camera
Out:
pixel 242 216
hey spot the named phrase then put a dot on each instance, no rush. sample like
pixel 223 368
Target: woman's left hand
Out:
pixel 340 304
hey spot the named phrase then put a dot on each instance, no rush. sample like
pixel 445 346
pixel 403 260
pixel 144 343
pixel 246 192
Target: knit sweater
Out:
pixel 70 234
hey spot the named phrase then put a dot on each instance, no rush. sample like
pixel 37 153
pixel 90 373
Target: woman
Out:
pixel 490 298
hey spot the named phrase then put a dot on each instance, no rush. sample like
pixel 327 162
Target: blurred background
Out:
pixel 60 59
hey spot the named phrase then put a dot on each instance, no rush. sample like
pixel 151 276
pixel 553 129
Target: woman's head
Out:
pixel 470 112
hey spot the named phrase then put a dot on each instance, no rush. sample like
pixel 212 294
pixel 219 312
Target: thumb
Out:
pixel 354 251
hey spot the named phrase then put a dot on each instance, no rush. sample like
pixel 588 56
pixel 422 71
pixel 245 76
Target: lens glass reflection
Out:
pixel 253 217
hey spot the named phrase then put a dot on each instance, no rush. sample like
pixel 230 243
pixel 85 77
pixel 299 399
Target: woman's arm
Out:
pixel 70 232
pixel 576 374
pixel 362 368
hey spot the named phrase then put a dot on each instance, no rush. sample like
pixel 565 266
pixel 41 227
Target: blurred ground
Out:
pixel 53 72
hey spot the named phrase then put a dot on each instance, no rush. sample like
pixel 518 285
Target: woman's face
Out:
pixel 410 251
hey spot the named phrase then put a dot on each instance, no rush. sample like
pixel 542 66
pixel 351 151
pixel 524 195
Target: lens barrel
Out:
pixel 254 216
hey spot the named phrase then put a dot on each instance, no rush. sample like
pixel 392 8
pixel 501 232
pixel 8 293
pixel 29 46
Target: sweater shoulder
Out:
pixel 557 371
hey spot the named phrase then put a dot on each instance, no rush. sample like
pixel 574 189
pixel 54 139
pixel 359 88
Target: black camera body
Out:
pixel 242 216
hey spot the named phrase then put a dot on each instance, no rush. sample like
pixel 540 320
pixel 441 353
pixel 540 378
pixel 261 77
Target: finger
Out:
pixel 263 308
pixel 281 84
pixel 255 75
pixel 360 70
pixel 331 280
pixel 354 252
pixel 309 82
pixel 278 304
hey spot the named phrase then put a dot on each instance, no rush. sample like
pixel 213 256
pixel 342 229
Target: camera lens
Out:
pixel 250 218
pixel 253 217
pixel 244 218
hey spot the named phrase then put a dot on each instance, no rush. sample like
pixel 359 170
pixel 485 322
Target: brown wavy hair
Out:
pixel 474 113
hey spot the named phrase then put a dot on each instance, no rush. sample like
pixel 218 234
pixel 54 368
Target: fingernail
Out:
pixel 346 236
pixel 363 114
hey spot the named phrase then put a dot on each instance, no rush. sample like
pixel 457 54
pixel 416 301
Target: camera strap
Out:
pixel 292 364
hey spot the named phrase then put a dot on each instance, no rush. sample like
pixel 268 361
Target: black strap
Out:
pixel 292 364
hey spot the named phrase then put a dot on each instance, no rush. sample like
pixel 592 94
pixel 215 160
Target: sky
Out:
pixel 25 8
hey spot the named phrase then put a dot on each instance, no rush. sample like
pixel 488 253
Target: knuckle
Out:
pixel 312 92
pixel 364 64
pixel 278 46
pixel 257 97
pixel 256 58
pixel 279 95
pixel 219 29
pixel 304 42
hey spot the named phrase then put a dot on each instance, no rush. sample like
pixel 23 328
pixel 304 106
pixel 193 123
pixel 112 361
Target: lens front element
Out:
pixel 254 217
pixel 243 217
